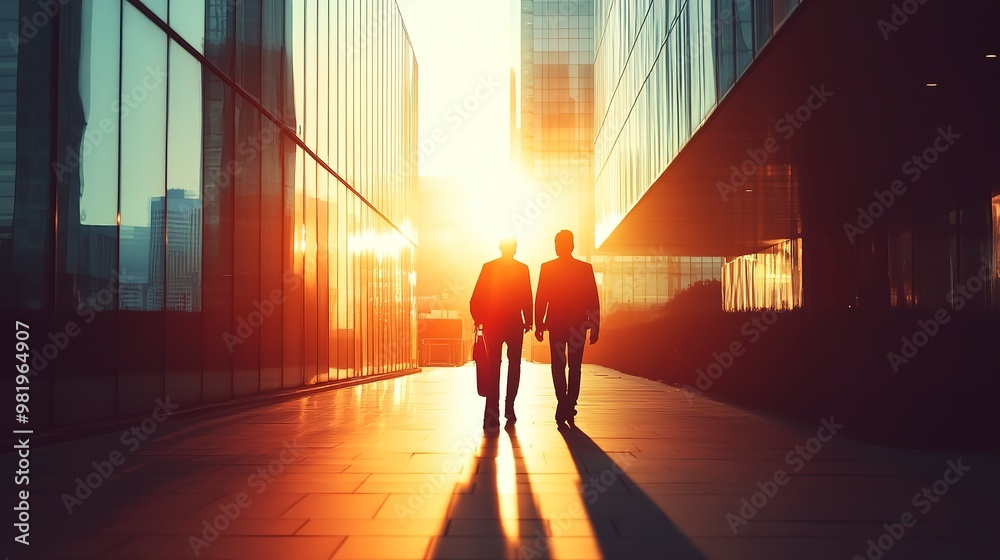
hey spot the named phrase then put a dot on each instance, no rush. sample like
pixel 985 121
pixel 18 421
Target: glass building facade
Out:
pixel 557 115
pixel 661 68
pixel 769 279
pixel 557 139
pixel 995 276
pixel 687 91
pixel 213 199
pixel 634 288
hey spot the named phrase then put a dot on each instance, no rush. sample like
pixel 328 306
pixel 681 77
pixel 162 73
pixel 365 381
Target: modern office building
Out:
pixel 205 200
pixel 837 153
pixel 557 146
pixel 557 114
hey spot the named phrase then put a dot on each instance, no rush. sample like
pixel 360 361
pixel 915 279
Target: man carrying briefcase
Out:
pixel 501 304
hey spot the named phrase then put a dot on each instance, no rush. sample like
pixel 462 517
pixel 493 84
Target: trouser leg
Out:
pixel 514 342
pixel 557 353
pixel 575 362
pixel 494 345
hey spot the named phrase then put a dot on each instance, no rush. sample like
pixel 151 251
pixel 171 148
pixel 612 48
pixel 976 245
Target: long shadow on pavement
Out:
pixel 641 528
pixel 476 527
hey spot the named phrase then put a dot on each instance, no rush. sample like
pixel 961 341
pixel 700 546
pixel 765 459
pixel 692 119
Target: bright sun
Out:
pixel 496 206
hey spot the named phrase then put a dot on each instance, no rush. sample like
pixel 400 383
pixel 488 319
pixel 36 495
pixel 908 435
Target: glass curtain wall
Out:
pixel 636 287
pixel 661 68
pixel 996 253
pixel 557 119
pixel 557 149
pixel 233 188
pixel 770 279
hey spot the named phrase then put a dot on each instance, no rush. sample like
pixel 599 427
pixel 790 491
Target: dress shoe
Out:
pixel 509 414
pixel 560 414
pixel 491 424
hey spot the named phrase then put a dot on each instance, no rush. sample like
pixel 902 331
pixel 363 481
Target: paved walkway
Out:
pixel 400 468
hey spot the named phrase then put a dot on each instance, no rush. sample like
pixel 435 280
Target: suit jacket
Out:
pixel 502 296
pixel 567 299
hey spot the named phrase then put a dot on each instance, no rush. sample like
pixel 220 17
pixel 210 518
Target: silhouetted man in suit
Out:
pixel 501 303
pixel 567 305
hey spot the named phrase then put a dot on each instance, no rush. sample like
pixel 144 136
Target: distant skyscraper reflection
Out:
pixel 219 202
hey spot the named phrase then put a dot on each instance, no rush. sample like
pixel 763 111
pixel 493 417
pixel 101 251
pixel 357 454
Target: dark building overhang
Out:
pixel 880 115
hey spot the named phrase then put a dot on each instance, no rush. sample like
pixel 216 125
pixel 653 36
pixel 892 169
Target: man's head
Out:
pixel 564 243
pixel 508 247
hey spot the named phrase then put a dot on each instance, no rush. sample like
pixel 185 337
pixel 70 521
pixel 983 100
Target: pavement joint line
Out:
pixel 69 433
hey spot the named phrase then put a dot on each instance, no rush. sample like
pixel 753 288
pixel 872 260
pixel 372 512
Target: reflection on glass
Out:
pixel 271 243
pixel 635 288
pixel 744 34
pixel 158 7
pixel 143 165
pixel 299 54
pixel 781 9
pixel 181 214
pixel 188 20
pixel 726 53
pixel 770 279
pixel 246 279
pixel 764 27
pixel 99 93
pixel 652 100
pixel 232 237
pixel 96 156
pixel 996 252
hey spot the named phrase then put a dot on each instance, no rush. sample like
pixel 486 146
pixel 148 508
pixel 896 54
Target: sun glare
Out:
pixel 494 206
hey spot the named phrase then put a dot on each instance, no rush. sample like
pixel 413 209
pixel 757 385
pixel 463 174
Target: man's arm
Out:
pixel 593 304
pixel 526 300
pixel 541 303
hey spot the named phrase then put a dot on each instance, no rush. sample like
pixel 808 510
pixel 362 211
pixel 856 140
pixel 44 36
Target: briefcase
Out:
pixel 482 358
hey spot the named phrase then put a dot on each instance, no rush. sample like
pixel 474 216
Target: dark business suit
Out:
pixel 567 305
pixel 501 301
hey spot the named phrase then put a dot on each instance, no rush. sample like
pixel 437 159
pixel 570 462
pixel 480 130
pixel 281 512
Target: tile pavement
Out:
pixel 400 468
